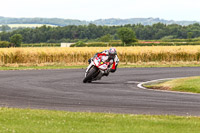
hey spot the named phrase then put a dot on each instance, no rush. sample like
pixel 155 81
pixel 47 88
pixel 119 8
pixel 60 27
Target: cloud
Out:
pixel 95 9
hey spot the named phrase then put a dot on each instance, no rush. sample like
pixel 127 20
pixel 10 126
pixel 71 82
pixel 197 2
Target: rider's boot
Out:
pixel 106 73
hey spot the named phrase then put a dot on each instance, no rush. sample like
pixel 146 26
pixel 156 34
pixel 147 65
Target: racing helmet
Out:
pixel 112 52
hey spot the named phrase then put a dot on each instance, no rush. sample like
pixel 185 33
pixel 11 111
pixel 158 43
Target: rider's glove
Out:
pixel 90 60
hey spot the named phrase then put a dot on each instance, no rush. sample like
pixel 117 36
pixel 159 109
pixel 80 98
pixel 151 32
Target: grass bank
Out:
pixel 191 84
pixel 42 121
pixel 41 67
pixel 28 66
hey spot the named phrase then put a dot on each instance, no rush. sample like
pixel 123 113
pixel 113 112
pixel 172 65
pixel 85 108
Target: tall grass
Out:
pixel 81 55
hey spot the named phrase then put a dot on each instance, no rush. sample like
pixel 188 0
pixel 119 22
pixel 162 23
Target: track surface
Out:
pixel 117 93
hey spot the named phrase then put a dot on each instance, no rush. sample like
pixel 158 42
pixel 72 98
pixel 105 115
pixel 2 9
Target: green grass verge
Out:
pixel 157 65
pixel 191 84
pixel 44 121
pixel 84 66
pixel 41 67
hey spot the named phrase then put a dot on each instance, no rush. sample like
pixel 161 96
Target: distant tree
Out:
pixel 189 35
pixel 4 28
pixel 16 39
pixel 106 38
pixel 127 35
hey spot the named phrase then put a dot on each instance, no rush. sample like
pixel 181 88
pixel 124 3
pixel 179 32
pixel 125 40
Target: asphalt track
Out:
pixel 117 93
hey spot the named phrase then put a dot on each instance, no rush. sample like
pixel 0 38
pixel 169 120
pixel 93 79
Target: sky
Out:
pixel 102 9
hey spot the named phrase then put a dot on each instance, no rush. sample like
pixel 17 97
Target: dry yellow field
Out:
pixel 82 54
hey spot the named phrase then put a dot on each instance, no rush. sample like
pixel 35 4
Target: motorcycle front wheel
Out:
pixel 91 74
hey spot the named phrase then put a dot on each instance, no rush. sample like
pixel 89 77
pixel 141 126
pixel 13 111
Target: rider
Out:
pixel 110 56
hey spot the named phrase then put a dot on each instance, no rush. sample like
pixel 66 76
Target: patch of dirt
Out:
pixel 160 88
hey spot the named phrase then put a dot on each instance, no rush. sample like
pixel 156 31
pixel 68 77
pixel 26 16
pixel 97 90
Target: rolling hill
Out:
pixel 111 21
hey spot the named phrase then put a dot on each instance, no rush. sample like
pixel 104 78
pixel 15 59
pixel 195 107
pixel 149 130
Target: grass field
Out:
pixel 191 84
pixel 44 121
pixel 80 56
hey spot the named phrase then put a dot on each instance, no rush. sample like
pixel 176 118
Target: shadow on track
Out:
pixel 104 83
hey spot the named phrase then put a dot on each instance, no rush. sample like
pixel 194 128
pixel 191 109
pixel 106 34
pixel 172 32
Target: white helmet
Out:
pixel 112 52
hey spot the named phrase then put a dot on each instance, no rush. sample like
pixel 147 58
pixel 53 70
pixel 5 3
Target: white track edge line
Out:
pixel 140 85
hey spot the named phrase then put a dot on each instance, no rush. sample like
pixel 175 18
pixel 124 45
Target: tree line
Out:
pixel 93 32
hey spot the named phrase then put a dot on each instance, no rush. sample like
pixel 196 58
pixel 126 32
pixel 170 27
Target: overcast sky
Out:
pixel 102 9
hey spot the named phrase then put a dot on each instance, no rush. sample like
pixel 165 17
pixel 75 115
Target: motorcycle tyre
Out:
pixel 90 74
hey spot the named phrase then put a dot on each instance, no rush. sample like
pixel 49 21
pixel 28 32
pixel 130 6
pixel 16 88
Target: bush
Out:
pixel 98 44
pixel 4 44
pixel 41 45
pixel 78 44
pixel 180 40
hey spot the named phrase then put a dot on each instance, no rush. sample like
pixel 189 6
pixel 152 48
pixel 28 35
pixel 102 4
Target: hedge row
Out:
pixel 41 45
pixel 119 44
pixel 180 40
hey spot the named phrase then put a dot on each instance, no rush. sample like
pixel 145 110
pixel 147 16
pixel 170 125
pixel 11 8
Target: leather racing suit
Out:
pixel 113 61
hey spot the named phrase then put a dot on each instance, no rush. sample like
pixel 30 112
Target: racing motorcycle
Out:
pixel 96 69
